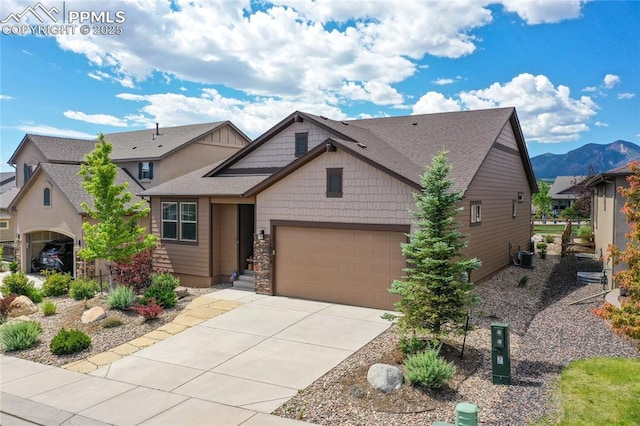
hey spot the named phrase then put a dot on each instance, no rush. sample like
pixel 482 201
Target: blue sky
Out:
pixel 571 68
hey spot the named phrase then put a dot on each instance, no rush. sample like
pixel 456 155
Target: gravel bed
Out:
pixel 69 313
pixel 545 335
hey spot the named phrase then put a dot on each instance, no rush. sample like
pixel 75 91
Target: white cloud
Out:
pixel 590 89
pixel 42 129
pixel 6 97
pixel 105 119
pixel 611 80
pixel 544 11
pixel 443 81
pixel 626 95
pixel 547 113
pixel 432 102
pixel 601 124
pixel 95 76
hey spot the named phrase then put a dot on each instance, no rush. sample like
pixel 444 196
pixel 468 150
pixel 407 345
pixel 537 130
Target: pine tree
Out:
pixel 115 234
pixel 435 294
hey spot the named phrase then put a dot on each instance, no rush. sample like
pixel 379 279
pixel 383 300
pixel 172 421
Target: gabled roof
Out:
pixel 133 145
pixel 404 146
pixel 65 178
pixel 564 187
pixel 55 149
pixel 147 144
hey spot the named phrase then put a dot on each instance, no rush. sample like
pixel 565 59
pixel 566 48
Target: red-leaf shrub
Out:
pixel 148 311
pixel 4 305
pixel 137 273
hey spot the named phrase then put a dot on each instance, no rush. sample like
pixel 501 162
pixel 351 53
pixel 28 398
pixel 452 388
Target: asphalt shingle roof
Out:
pixel 195 184
pixel 406 145
pixel 7 197
pixel 65 150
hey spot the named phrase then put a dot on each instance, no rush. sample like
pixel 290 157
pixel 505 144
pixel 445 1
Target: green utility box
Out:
pixel 500 357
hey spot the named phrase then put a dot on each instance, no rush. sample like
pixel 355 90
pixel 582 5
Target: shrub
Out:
pixel 5 302
pixel 137 273
pixel 412 345
pixel 13 267
pixel 20 335
pixel 17 283
pixel 549 238
pixel 523 281
pixel 83 289
pixel 56 283
pixel 49 308
pixel 148 311
pixel 121 297
pixel 162 289
pixel 585 231
pixel 69 342
pixel 428 370
pixel 111 322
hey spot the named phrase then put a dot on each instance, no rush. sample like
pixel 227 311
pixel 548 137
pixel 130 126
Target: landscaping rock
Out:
pixel 181 292
pixel 385 377
pixel 94 314
pixel 22 305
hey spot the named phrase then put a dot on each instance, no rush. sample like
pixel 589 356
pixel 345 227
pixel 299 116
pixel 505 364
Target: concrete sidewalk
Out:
pixel 233 369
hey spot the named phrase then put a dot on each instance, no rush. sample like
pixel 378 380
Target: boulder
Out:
pixel 22 305
pixel 181 292
pixel 385 377
pixel 94 314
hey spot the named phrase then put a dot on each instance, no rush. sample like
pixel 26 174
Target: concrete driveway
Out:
pixel 233 367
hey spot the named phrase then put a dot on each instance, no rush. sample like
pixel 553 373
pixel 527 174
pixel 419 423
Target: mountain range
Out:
pixel 578 161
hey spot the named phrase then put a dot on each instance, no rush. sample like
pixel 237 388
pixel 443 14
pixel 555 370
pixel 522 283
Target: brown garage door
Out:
pixel 354 267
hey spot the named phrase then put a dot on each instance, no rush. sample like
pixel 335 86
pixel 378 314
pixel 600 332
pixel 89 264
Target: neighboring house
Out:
pixel 48 204
pixel 320 207
pixel 608 222
pixel 564 193
pixel 7 181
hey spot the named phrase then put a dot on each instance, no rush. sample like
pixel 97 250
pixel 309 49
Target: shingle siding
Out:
pixel 368 195
pixel 280 150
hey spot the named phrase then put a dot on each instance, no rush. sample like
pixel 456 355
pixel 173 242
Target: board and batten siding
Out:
pixel 369 195
pixel 189 261
pixel 496 185
pixel 280 150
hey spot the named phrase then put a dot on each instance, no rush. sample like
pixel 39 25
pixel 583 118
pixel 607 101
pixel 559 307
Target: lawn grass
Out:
pixel 548 229
pixel 600 391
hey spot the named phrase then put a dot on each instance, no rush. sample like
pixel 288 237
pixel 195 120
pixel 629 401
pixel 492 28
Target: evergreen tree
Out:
pixel 436 292
pixel 542 200
pixel 115 234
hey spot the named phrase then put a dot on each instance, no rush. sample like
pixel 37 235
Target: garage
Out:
pixel 50 250
pixel 339 265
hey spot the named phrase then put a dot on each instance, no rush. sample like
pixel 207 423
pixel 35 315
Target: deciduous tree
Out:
pixel 115 234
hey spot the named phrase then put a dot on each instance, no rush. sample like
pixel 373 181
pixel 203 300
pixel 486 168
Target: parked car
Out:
pixel 56 255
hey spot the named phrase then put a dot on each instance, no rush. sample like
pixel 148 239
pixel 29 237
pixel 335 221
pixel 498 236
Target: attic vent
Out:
pixel 160 146
pixel 361 145
pixel 415 124
pixel 134 147
pixel 345 123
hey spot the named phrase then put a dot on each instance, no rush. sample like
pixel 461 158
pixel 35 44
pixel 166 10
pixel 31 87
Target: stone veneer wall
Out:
pixel 17 252
pixel 262 264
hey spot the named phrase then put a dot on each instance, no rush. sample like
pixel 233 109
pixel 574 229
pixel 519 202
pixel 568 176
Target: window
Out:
pixel 27 170
pixel 4 224
pixel 145 170
pixel 476 212
pixel 302 144
pixel 46 197
pixel 182 227
pixel 514 209
pixel 188 221
pixel 520 197
pixel 334 183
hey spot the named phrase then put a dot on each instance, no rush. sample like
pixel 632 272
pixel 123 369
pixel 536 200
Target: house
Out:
pixel 8 191
pixel 319 207
pixel 609 224
pixel 563 192
pixel 48 204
